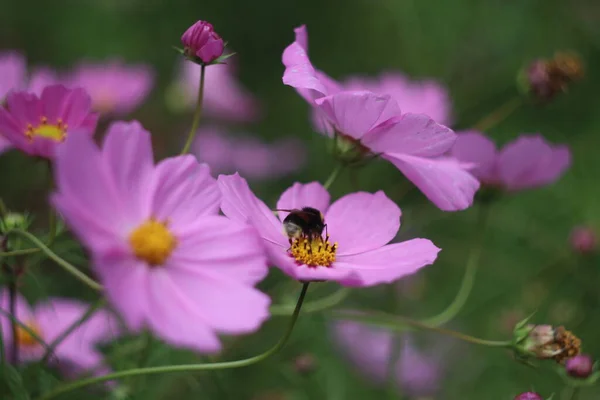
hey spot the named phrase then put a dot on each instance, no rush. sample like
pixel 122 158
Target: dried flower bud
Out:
pixel 580 366
pixel 583 240
pixel 546 342
pixel 201 42
pixel 305 363
pixel 528 396
pixel 544 79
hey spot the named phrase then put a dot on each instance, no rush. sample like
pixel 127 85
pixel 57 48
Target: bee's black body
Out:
pixel 307 221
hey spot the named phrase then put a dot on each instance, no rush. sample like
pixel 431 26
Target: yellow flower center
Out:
pixel 24 338
pixel 313 251
pixel 152 242
pixel 56 132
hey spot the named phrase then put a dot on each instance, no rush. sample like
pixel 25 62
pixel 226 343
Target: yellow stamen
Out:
pixel 24 338
pixel 313 251
pixel 152 242
pixel 56 132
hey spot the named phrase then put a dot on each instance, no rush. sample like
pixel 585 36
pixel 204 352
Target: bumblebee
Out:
pixel 308 222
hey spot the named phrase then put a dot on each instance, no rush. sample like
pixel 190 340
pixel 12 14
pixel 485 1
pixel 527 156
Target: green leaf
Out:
pixel 15 383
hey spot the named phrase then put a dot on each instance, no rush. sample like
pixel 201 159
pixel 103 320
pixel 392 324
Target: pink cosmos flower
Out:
pixel 248 156
pixel 38 125
pixel 373 124
pixel 224 97
pixel 115 88
pixel 202 41
pixel 12 76
pixel 167 260
pixel 527 162
pixel 49 320
pixel 371 351
pixel 40 78
pixel 359 224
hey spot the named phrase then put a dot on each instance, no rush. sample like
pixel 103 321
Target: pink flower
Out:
pixel 38 125
pixel 360 226
pixel 40 78
pixel 224 97
pixel 372 351
pixel 13 73
pixel 115 88
pixel 202 41
pixel 167 261
pixel 424 97
pixel 527 162
pixel 49 320
pixel 247 155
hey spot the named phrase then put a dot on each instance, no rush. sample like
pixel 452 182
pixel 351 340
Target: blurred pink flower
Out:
pixel 583 239
pixel 49 320
pixel 527 162
pixel 167 260
pixel 115 87
pixel 13 72
pixel 40 78
pixel 224 97
pixel 361 224
pixel 38 125
pixel 201 40
pixel 372 351
pixel 249 156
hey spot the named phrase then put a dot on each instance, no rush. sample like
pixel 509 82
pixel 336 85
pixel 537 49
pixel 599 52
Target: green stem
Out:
pixel 21 252
pixel 498 115
pixel 185 368
pixel 333 176
pixel 574 394
pixel 312 306
pixel 197 113
pixel 91 311
pixel 23 326
pixel 469 278
pixel 53 256
pixel 399 323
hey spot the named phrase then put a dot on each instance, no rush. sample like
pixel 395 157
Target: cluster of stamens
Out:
pixel 313 251
pixel 56 132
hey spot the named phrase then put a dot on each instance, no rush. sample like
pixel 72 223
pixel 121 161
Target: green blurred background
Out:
pixel 474 47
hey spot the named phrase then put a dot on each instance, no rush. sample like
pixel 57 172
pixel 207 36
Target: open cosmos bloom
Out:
pixel 527 162
pixel 115 87
pixel 248 155
pixel 167 260
pixel 372 352
pixel 49 320
pixel 372 124
pixel 353 250
pixel 224 97
pixel 12 76
pixel 38 125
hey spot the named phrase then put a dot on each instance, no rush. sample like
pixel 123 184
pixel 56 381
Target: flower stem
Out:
pixel 312 306
pixel 469 278
pixel 333 176
pixel 189 367
pixel 397 323
pixel 498 115
pixel 53 256
pixel 197 113
pixel 23 326
pixel 91 311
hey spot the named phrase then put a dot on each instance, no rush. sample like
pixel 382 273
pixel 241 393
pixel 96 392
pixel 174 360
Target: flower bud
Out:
pixel 13 220
pixel 202 43
pixel 545 342
pixel 580 366
pixel 528 396
pixel 583 240
pixel 544 79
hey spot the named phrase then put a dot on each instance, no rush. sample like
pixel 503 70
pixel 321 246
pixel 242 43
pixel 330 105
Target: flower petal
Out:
pixel 414 134
pixel 221 245
pixel 300 195
pixel 300 74
pixel 240 204
pixel 474 147
pixel 362 221
pixel 174 317
pixel 356 113
pixel 445 181
pixel 388 263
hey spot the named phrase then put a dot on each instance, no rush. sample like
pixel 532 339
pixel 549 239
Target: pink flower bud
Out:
pixel 528 396
pixel 583 240
pixel 201 41
pixel 580 366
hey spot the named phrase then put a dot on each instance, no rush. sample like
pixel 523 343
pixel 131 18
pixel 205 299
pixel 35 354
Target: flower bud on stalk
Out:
pixel 544 79
pixel 580 366
pixel 202 44
pixel 546 342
